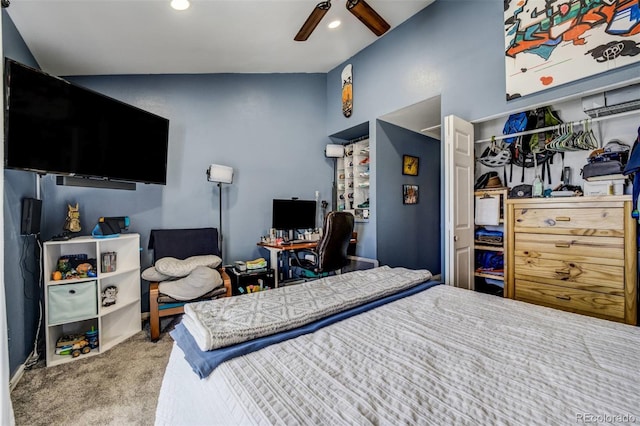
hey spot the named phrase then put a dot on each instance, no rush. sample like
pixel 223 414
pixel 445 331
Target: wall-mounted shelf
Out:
pixel 352 177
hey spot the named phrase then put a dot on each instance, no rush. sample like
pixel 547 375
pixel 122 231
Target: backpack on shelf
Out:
pixel 516 123
pixel 528 150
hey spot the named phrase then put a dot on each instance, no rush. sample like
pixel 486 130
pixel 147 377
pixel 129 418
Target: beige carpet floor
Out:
pixel 118 387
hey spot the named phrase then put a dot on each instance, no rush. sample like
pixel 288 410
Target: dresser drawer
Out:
pixel 601 250
pixel 573 274
pixel 570 299
pixel 605 221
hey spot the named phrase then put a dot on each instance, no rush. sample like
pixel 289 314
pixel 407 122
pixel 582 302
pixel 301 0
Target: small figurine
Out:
pixel 72 224
pixel 109 295
pixel 85 270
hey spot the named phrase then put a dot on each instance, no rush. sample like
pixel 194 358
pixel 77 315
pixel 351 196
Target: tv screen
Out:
pixel 53 126
pixel 294 214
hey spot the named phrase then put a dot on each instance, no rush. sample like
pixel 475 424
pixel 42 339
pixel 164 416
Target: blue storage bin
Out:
pixel 72 302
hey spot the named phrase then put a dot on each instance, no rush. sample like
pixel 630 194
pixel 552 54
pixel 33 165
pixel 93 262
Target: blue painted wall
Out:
pixel 407 235
pixel 268 127
pixel 21 267
pixel 272 129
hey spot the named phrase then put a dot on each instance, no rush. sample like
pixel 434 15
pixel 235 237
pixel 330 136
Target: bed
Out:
pixel 439 355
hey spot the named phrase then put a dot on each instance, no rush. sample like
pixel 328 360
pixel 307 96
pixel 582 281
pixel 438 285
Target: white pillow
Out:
pixel 151 274
pixel 179 268
pixel 199 282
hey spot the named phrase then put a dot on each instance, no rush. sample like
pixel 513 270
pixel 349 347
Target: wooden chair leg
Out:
pixel 227 281
pixel 154 312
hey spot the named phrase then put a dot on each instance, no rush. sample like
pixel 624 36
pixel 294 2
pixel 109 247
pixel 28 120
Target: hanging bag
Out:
pixel 633 167
pixel 526 152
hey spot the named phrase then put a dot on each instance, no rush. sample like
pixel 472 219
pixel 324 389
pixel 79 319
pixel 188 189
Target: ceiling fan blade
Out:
pixel 368 16
pixel 313 20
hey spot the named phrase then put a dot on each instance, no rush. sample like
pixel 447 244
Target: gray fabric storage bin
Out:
pixel 72 302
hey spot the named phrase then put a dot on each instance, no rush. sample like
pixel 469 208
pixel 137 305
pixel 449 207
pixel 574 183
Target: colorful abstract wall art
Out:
pixel 553 42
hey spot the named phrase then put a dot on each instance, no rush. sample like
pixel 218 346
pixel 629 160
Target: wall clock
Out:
pixel 410 165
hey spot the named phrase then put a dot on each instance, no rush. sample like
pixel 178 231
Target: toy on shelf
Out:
pixel 92 337
pixel 72 344
pixel 74 266
pixel 253 289
pixel 109 295
pixel 72 224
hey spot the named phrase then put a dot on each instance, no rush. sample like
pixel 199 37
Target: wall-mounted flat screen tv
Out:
pixel 53 126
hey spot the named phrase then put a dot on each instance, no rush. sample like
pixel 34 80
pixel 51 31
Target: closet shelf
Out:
pixel 494 276
pixel 558 126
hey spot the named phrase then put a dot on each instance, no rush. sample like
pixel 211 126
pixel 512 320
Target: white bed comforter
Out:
pixel 444 356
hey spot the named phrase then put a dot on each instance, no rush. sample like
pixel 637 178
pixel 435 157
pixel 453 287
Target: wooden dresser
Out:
pixel 577 254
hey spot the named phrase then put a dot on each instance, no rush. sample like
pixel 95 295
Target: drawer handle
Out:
pixel 72 292
pixel 563 297
pixel 563 245
pixel 563 219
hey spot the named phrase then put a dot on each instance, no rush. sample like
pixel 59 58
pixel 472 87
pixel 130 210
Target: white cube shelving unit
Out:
pixel 114 323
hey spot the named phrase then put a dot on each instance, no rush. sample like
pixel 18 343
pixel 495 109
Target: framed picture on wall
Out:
pixel 410 165
pixel 409 194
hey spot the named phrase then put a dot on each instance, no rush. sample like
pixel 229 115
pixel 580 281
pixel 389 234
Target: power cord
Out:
pixel 26 268
pixel 34 356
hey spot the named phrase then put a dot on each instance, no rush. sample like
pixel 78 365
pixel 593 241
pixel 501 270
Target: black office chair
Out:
pixel 331 252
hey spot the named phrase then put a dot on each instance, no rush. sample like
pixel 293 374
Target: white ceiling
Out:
pixel 97 37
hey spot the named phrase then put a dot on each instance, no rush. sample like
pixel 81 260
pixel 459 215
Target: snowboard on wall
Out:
pixel 347 91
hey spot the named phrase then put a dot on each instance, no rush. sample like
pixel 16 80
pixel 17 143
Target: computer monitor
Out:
pixel 294 214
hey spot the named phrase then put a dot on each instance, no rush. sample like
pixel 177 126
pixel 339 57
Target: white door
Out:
pixel 458 187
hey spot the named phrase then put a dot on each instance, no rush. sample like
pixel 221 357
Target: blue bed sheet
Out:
pixel 204 362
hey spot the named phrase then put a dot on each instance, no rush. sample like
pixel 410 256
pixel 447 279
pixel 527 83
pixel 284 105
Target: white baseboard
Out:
pixel 16 377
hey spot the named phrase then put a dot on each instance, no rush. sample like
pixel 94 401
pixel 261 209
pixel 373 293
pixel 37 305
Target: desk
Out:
pixel 276 249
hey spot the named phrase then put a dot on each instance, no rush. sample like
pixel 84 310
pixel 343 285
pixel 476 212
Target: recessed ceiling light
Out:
pixel 180 4
pixel 334 24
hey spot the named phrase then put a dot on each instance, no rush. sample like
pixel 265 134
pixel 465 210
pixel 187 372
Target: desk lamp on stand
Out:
pixel 334 151
pixel 220 174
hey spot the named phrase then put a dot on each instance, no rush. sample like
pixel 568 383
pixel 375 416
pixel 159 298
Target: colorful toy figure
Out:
pixel 72 224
